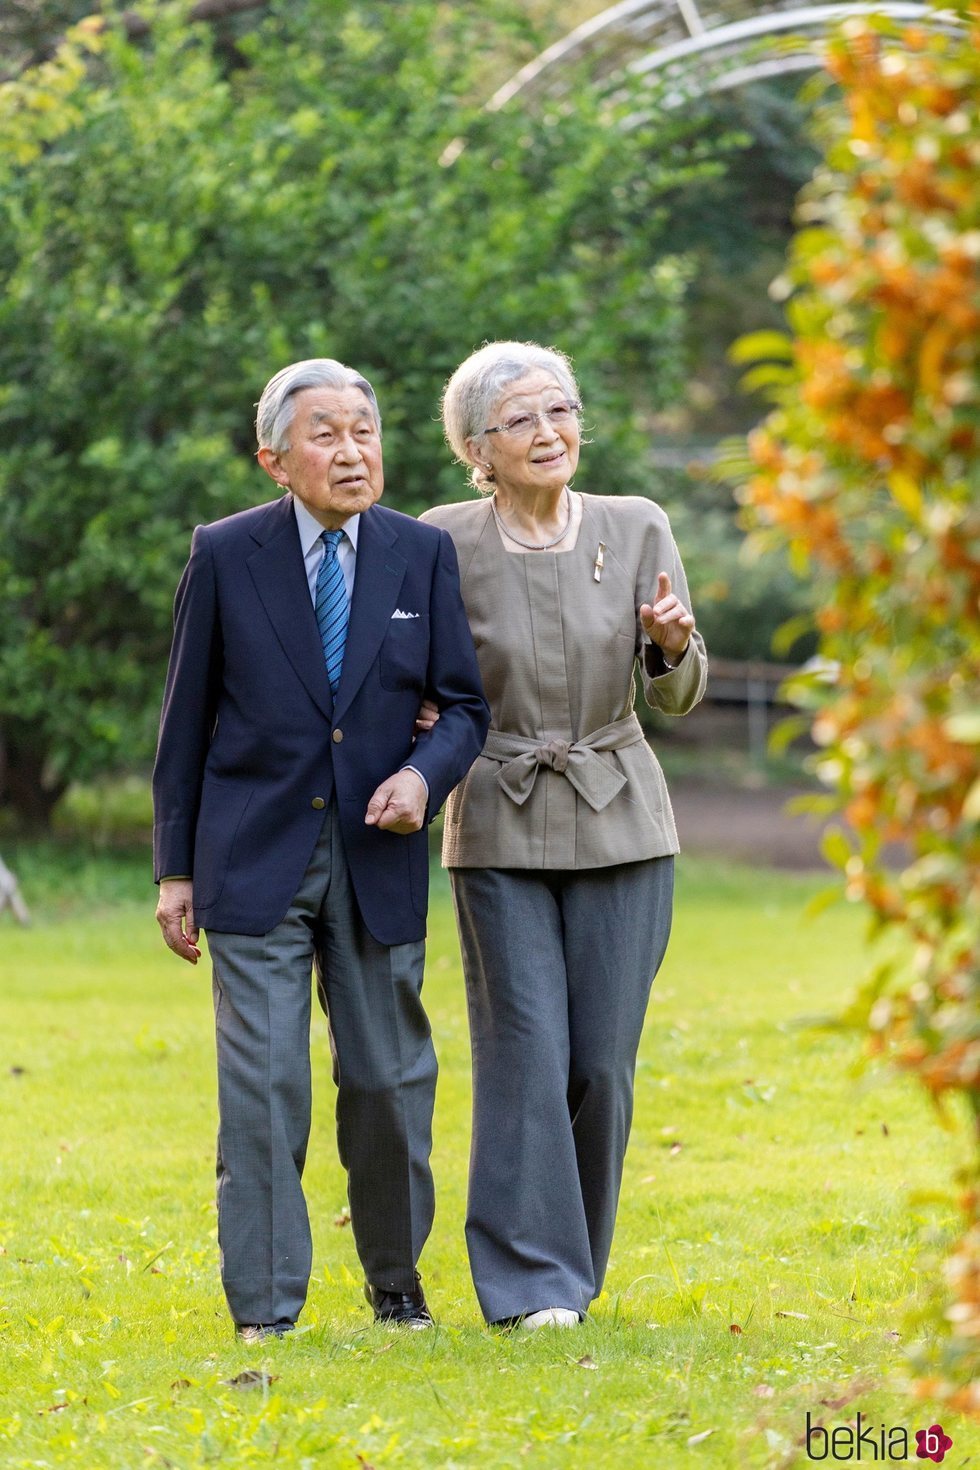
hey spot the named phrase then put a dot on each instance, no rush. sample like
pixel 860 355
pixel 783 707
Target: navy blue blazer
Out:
pixel 253 745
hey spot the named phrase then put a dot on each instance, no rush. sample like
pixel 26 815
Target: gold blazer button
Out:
pixel 318 803
pixel 338 736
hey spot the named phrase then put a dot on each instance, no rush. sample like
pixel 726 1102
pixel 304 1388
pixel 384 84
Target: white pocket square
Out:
pixel 399 614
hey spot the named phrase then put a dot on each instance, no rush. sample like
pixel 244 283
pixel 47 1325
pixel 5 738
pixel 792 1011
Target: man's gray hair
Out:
pixel 274 413
pixel 475 387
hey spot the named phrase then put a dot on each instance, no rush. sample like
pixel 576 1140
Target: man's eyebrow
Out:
pixel 323 415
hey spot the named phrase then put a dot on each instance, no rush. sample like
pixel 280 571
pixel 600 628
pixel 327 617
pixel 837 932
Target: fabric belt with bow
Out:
pixel 577 760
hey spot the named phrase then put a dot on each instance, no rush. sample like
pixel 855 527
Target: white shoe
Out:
pixel 550 1317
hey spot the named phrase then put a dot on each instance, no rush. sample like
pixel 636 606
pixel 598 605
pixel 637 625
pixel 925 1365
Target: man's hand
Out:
pixel 668 622
pixel 175 915
pixel 399 803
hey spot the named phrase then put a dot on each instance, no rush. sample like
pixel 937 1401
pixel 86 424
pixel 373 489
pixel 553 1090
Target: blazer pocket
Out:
pixel 223 808
pixel 404 657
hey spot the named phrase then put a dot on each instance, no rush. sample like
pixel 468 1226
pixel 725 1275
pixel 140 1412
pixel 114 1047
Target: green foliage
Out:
pixel 31 29
pixel 173 230
pixel 742 598
pixel 108 813
pixel 737 226
pixel 867 474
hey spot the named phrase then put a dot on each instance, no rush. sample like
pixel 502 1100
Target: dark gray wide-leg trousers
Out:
pixel 558 969
pixel 385 1070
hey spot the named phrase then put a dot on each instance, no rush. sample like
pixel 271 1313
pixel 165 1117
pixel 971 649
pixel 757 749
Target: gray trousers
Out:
pixel 558 969
pixel 385 1070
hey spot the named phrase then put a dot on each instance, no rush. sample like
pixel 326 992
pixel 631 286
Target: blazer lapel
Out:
pixel 280 580
pixel 377 583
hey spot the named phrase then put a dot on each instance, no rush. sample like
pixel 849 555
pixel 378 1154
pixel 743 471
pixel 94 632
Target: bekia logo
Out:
pixel 863 1441
pixel 932 1443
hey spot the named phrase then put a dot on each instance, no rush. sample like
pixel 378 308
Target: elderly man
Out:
pixel 291 791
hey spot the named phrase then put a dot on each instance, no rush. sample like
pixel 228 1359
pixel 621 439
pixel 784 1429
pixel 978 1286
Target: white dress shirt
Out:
pixel 310 532
pixel 314 550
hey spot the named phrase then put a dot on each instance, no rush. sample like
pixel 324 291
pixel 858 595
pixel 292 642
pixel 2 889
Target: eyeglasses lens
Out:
pixel 525 423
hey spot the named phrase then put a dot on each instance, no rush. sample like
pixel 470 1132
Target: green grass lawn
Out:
pixel 766 1189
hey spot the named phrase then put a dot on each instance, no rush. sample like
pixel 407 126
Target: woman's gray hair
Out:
pixel 475 387
pixel 275 409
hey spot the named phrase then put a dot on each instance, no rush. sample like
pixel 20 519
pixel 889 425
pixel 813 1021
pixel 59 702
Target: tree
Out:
pixel 867 473
pixel 176 223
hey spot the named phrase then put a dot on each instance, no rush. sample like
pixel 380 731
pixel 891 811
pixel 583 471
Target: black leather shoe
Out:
pixel 249 1332
pixel 407 1308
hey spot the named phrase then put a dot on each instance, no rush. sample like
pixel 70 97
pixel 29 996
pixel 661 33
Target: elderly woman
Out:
pixel 560 840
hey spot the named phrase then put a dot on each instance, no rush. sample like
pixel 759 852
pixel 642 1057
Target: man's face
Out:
pixel 333 463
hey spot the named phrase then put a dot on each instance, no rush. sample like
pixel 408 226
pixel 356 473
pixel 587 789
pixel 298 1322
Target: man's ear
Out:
pixel 273 466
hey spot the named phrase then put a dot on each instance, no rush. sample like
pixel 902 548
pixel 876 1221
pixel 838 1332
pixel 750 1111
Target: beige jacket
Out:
pixel 566 779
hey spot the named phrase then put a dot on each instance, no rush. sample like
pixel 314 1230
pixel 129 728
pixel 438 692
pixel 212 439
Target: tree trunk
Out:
pixel 136 25
pixel 23 788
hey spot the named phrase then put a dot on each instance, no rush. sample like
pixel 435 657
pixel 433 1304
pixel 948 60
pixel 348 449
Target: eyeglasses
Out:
pixel 524 424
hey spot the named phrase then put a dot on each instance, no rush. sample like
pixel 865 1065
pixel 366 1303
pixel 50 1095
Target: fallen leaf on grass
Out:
pixel 251 1378
pixel 700 1438
pixel 18 1071
pixel 366 1463
pixel 54 1408
pixel 892 1336
pixel 764 1391
pixel 148 1264
pixel 179 1384
pixel 735 1330
pixel 342 1219
pixel 884 1129
pixel 675 1148
pixel 586 1362
pixel 800 1316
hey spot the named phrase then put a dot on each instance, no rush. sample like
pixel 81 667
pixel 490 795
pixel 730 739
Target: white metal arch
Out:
pixel 647 37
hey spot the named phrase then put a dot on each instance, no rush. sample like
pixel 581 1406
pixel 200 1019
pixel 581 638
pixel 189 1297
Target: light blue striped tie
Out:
pixel 332 607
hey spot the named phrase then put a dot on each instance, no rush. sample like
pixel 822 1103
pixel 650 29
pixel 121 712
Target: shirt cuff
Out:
pixel 420 776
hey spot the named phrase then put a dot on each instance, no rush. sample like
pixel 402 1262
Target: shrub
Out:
pixel 866 474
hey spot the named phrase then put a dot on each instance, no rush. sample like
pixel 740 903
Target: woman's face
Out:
pixel 538 453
